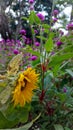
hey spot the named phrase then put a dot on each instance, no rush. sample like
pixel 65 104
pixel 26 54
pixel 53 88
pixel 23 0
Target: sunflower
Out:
pixel 26 83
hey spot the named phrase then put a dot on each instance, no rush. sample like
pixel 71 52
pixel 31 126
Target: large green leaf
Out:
pixel 26 126
pixel 49 44
pixel 58 127
pixel 58 59
pixel 33 18
pixel 20 113
pixel 65 50
pixel 4 123
pixel 66 128
pixel 14 115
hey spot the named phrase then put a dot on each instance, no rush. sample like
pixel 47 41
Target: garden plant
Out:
pixel 36 76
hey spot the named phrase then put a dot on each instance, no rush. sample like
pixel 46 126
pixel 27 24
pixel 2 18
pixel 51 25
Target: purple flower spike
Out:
pixel 33 58
pixel 15 51
pixel 41 16
pixel 23 32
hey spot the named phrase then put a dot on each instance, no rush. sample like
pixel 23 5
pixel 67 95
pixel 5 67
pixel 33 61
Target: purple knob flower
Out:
pixel 2 41
pixel 52 53
pixel 40 16
pixel 28 41
pixel 31 1
pixel 55 12
pixel 37 44
pixel 70 26
pixel 59 43
pixel 61 32
pixel 54 20
pixel 33 58
pixel 15 51
pixel 35 31
pixel 31 7
pixel 64 89
pixel 23 32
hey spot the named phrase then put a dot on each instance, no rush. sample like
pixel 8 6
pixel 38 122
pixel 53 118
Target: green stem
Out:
pixel 53 4
pixel 42 58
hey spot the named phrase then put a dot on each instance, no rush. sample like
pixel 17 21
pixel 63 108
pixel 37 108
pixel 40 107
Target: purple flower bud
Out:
pixel 31 7
pixel 52 53
pixel 40 16
pixel 37 44
pixel 64 89
pixel 35 31
pixel 31 1
pixel 5 49
pixel 9 54
pixel 23 32
pixel 33 58
pixel 54 20
pixel 61 32
pixel 15 51
pixel 28 41
pixel 59 43
pixel 55 12
pixel 2 41
pixel 70 26
pixel 8 40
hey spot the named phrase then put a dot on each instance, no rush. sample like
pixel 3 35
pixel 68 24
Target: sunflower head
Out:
pixel 26 83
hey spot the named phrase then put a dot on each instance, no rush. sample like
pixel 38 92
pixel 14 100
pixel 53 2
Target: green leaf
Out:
pixel 24 18
pixel 46 26
pixel 67 49
pixel 5 123
pixel 69 72
pixel 49 44
pixel 41 37
pixel 58 59
pixel 62 96
pixel 20 113
pixel 30 50
pixel 36 62
pixel 5 94
pixel 58 127
pixel 33 18
pixel 28 125
pixel 25 127
pixel 66 128
pixel 56 69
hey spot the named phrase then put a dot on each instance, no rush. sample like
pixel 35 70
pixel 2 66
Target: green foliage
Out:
pixel 53 98
pixel 33 18
pixel 49 44
pixel 11 116
pixel 58 127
